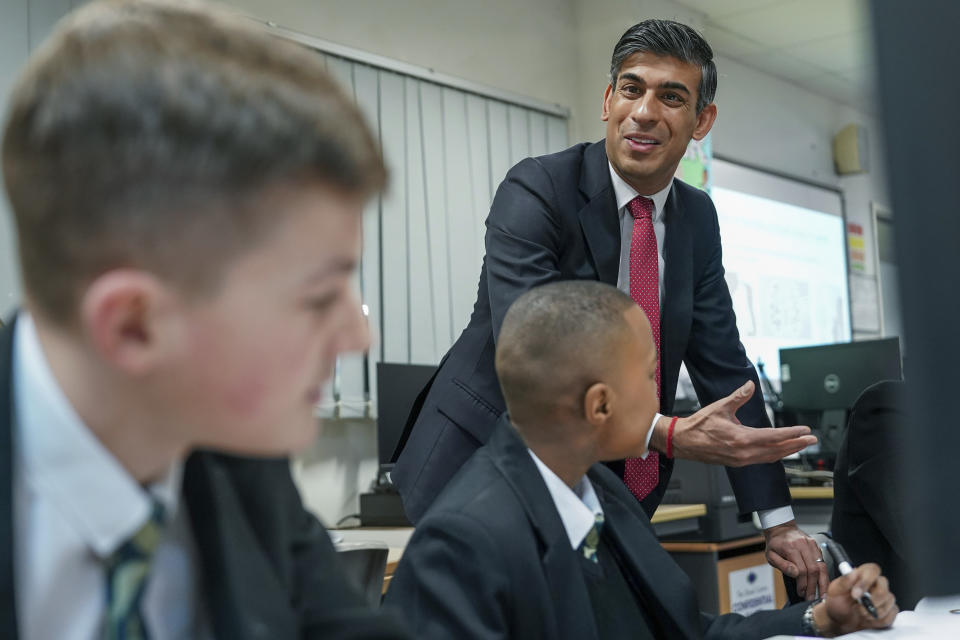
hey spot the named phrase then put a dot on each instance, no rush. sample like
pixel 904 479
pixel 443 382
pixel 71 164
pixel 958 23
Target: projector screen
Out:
pixel 784 254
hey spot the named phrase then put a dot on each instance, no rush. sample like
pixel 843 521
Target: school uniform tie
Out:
pixel 127 572
pixel 590 543
pixel 642 475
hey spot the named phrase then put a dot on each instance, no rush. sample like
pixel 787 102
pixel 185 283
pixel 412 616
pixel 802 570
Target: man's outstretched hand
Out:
pixel 715 436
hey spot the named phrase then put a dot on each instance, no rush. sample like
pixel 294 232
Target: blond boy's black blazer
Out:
pixel 268 567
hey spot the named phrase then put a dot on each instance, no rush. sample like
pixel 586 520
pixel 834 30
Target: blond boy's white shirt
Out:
pixel 74 504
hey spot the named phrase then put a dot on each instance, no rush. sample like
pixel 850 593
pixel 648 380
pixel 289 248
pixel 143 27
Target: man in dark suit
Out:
pixel 187 192
pixel 611 211
pixel 871 509
pixel 534 539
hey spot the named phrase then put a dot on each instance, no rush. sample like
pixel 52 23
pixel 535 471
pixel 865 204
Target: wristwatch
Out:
pixel 808 624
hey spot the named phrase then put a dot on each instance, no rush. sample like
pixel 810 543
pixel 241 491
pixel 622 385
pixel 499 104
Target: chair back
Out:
pixel 365 564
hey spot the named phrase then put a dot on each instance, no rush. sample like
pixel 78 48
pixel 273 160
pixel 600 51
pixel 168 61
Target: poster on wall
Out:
pixel 856 248
pixel 865 304
pixel 694 167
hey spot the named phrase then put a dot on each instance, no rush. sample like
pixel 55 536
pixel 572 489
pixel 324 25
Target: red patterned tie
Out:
pixel 642 475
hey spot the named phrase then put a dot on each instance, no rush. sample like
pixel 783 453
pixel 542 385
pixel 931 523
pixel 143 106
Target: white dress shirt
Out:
pixel 578 507
pixel 74 505
pixel 624 193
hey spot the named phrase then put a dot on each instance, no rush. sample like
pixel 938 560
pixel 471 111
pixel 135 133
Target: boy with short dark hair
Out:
pixel 534 538
pixel 187 193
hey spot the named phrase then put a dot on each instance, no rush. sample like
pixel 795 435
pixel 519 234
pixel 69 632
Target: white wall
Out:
pixel 14 48
pixel 24 24
pixel 767 122
pixel 515 46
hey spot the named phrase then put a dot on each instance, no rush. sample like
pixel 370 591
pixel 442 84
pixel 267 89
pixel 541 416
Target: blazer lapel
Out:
pixel 675 316
pixel 665 586
pixel 572 610
pixel 243 593
pixel 8 608
pixel 598 217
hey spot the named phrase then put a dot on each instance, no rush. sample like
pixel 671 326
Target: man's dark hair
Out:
pixel 669 38
pixel 556 340
pixel 149 134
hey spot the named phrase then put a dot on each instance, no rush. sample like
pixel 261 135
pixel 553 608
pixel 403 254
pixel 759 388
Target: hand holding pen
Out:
pixel 844 608
pixel 845 567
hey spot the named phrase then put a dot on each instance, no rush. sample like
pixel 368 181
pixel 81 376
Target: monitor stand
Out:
pixel 382 506
pixel 833 424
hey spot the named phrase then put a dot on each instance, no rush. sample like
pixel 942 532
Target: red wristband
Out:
pixel 669 450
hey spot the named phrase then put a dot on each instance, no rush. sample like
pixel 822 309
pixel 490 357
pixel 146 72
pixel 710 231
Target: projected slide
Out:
pixel 786 272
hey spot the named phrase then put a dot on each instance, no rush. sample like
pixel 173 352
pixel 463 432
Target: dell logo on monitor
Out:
pixel 831 383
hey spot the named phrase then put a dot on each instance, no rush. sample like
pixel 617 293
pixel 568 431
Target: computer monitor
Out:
pixel 820 384
pixel 832 376
pixel 398 385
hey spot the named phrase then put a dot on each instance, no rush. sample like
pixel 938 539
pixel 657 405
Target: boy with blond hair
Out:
pixel 187 192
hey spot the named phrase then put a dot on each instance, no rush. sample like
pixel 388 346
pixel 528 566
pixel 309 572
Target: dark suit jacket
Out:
pixel 871 509
pixel 491 559
pixel 555 218
pixel 268 567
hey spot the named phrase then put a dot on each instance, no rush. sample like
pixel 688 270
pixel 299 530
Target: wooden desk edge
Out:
pixel 670 512
pixel 701 547
pixel 811 493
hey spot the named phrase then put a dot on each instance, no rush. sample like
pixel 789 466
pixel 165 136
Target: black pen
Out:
pixel 844 566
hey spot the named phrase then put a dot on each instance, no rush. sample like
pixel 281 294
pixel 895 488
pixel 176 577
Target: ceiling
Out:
pixel 821 45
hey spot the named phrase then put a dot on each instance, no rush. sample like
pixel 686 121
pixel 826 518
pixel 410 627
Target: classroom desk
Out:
pixel 667 520
pixel 710 564
pixel 933 619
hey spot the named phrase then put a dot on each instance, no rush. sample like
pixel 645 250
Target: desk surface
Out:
pixel 811 493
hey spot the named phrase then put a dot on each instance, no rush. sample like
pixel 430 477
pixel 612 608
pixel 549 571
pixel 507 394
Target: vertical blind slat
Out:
pixel 446 151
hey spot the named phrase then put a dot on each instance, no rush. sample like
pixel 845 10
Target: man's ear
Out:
pixel 605 113
pixel 127 315
pixel 705 120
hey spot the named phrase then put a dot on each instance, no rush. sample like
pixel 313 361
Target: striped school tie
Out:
pixel 127 572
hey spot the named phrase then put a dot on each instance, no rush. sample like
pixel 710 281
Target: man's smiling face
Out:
pixel 651 116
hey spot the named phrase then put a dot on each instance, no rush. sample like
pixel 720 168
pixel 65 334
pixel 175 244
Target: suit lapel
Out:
pixel 666 588
pixel 572 611
pixel 8 608
pixel 677 294
pixel 598 217
pixel 243 595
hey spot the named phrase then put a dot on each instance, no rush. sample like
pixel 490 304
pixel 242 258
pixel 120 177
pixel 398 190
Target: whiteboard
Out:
pixel 784 255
